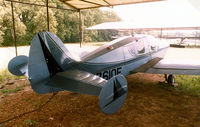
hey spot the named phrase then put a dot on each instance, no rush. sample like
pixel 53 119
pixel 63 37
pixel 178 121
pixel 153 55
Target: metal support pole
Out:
pixel 196 37
pixel 47 6
pixel 14 33
pixel 161 33
pixel 80 28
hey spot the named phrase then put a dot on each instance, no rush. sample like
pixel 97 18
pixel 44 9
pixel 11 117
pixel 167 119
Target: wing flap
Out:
pixel 173 71
pixel 78 81
pixel 163 67
pixel 145 67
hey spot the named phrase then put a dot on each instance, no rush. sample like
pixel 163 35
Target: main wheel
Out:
pixel 170 79
pixel 166 77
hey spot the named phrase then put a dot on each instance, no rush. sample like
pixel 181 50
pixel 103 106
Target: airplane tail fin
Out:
pixel 47 56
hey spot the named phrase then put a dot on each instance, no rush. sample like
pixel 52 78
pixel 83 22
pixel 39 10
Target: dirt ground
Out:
pixel 149 103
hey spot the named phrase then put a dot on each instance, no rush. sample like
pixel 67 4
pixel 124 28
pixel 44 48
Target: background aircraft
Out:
pixel 50 67
pixel 160 30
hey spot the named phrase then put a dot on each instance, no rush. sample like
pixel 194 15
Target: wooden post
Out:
pixel 14 33
pixel 80 28
pixel 47 6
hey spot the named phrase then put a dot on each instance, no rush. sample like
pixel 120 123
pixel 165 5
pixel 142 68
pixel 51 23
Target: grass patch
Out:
pixel 8 91
pixel 5 75
pixel 170 105
pixel 188 84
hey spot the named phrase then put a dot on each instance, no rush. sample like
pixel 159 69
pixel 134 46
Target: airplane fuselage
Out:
pixel 123 59
pixel 49 58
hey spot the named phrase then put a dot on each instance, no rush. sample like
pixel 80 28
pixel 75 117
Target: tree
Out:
pixel 30 19
pixel 34 17
pixel 40 21
pixel 6 26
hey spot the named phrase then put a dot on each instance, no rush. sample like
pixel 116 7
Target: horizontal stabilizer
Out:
pixel 112 93
pixel 78 81
pixel 19 65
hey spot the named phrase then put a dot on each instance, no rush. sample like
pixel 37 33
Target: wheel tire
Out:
pixel 170 79
pixel 166 78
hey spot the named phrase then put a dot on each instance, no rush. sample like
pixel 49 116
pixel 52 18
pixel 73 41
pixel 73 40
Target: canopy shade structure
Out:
pixel 145 26
pixel 89 4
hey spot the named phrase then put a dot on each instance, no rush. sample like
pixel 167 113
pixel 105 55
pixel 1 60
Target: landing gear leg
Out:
pixel 169 79
pixel 166 77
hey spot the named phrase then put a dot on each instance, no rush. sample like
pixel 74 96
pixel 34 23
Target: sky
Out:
pixel 170 11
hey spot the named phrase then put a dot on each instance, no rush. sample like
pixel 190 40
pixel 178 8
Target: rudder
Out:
pixel 47 57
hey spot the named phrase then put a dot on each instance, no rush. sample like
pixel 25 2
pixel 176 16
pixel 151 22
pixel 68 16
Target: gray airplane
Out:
pixel 50 67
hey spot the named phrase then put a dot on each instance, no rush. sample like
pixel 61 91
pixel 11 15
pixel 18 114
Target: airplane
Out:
pixel 51 67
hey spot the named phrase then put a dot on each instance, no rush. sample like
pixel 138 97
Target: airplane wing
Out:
pixel 112 93
pixel 164 66
pixel 182 69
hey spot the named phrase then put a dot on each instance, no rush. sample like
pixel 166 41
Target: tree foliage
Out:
pixel 6 29
pixel 31 19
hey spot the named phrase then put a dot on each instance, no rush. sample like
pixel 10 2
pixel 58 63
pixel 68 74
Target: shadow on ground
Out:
pixel 148 104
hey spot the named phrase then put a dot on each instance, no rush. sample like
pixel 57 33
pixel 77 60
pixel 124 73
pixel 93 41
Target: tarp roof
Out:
pixel 89 4
pixel 146 26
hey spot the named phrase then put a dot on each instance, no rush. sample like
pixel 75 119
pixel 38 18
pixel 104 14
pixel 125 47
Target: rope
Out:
pixel 23 114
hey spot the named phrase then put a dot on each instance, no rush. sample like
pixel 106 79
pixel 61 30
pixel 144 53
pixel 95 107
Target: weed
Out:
pixel 26 99
pixel 2 125
pixel 184 106
pixel 30 123
pixel 1 79
pixel 170 105
pixel 16 89
pixel 5 95
pixel 25 84
pixel 6 75
pixel 5 102
pixel 36 104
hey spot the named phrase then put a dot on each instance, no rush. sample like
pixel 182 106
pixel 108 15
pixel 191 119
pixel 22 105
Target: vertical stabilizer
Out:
pixel 47 56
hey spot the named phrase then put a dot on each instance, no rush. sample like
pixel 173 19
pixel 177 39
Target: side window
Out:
pixel 113 56
pixel 129 51
pixel 153 44
pixel 140 47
